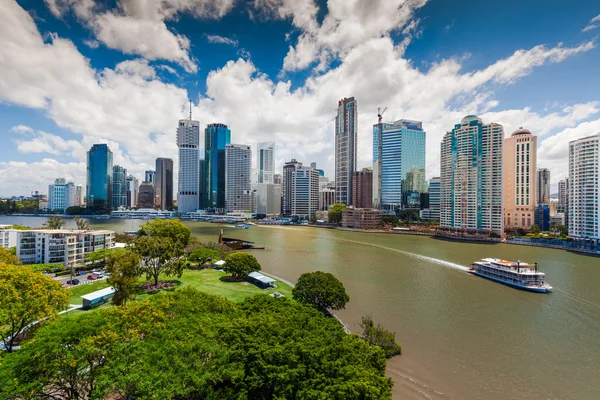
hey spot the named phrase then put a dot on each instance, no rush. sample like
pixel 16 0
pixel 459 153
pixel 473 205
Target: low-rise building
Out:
pixel 361 218
pixel 557 219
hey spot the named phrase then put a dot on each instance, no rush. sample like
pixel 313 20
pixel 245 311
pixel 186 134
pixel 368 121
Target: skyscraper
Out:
pixel 61 195
pixel 119 197
pixel 132 191
pixel 216 137
pixel 402 165
pixel 519 179
pixel 188 141
pixel 313 165
pixel 471 177
pixel 434 198
pixel 163 185
pixel 346 136
pixel 99 177
pixel 149 176
pixel 563 192
pixel 146 195
pixel 202 184
pixel 79 195
pixel 268 199
pixel 266 162
pixel 543 186
pixel 362 188
pixel 584 189
pixel 238 168
pixel 300 190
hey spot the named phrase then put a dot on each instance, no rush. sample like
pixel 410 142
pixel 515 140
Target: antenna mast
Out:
pixel 379 155
pixel 190 110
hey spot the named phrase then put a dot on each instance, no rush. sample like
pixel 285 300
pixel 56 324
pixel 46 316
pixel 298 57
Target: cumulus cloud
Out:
pixel 22 178
pixel 42 142
pixel 593 24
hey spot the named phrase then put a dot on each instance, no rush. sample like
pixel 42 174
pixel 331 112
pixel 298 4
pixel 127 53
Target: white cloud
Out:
pixel 43 142
pixel 221 40
pixel 92 44
pixel 22 178
pixel 593 24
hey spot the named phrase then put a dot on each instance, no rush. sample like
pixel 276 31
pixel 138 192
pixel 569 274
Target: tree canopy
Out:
pixel 7 256
pixel 123 268
pixel 335 212
pixel 167 228
pixel 26 297
pixel 321 290
pixel 191 345
pixel 159 255
pixel 377 335
pixel 202 255
pixel 54 222
pixel 241 264
pixel 81 223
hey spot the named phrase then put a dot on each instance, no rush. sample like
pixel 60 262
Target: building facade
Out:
pixel 266 162
pixel 216 138
pixel 361 218
pixel 346 136
pixel 519 179
pixel 61 195
pixel 79 196
pixel 146 195
pixel 326 197
pixel 267 199
pixel 584 188
pixel 99 177
pixel 238 169
pixel 119 198
pixel 362 188
pixel 300 190
pixel 132 191
pixel 188 142
pixel 542 217
pixel 471 177
pixel 563 192
pixel 163 184
pixel 149 176
pixel 543 186
pixel 401 181
pixel 432 213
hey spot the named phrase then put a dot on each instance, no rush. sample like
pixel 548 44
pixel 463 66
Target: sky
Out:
pixel 122 72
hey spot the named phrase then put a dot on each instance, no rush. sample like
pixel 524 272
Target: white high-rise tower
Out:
pixel 188 141
pixel 238 169
pixel 346 136
pixel 266 163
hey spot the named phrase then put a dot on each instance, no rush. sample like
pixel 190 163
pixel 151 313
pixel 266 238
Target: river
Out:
pixel 462 337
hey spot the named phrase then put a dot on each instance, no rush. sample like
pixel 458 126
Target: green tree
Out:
pixel 54 222
pixel 99 257
pixel 82 223
pixel 335 212
pixel 75 210
pixel 27 297
pixel 123 268
pixel 167 228
pixel 377 335
pixel 202 255
pixel 535 229
pixel 391 219
pixel 159 255
pixel 321 290
pixel 7 256
pixel 241 264
pixel 124 238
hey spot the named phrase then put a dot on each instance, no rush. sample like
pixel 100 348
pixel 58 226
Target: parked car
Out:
pixel 98 275
pixel 92 277
pixel 73 282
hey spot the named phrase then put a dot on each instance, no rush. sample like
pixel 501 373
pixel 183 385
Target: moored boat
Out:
pixel 516 274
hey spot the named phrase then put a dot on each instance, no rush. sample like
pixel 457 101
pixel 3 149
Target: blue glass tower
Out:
pixel 402 164
pixel 216 137
pixel 99 177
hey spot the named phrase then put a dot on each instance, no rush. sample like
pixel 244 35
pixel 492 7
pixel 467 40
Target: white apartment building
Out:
pixel 61 195
pixel 188 141
pixel 266 162
pixel 46 246
pixel 584 188
pixel 238 171
pixel 4 236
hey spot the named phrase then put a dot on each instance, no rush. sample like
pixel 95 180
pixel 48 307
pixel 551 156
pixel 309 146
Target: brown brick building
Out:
pixel 362 188
pixel 361 218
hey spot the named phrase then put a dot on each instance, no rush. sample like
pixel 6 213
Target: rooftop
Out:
pixel 98 294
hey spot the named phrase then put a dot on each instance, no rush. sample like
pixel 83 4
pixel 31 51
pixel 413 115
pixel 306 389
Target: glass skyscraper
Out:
pixel 163 185
pixel 216 137
pixel 346 136
pixel 119 197
pixel 99 177
pixel 188 141
pixel 266 162
pixel 402 165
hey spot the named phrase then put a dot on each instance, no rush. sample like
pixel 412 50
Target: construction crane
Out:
pixel 379 154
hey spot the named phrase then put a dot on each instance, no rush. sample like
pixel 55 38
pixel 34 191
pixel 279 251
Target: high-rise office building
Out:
pixel 202 184
pixel 163 184
pixel 266 162
pixel 313 165
pixel 326 196
pixel 402 165
pixel 188 142
pixel 471 177
pixel 267 199
pixel 519 179
pixel 61 195
pixel 432 213
pixel 300 190
pixel 132 191
pixel 543 186
pixel 584 188
pixel 149 176
pixel 362 188
pixel 99 177
pixel 79 196
pixel 216 137
pixel 146 195
pixel 346 136
pixel 119 197
pixel 542 216
pixel 278 179
pixel 238 169
pixel 563 192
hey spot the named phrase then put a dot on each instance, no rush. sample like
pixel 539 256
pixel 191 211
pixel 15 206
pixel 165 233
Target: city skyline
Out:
pixel 537 83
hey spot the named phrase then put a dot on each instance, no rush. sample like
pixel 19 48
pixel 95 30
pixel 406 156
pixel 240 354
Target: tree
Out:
pixel 54 222
pixel 335 213
pixel 241 264
pixel 167 228
pixel 124 238
pixel 202 255
pixel 321 290
pixel 123 268
pixel 75 210
pixel 159 255
pixel 7 256
pixel 99 257
pixel 82 224
pixel 377 335
pixel 535 229
pixel 27 297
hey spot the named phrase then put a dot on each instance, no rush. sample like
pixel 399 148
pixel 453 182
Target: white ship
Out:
pixel 517 274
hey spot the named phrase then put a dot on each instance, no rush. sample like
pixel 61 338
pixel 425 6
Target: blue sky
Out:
pixel 78 72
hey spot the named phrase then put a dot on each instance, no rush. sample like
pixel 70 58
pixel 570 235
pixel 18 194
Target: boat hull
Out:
pixel 511 284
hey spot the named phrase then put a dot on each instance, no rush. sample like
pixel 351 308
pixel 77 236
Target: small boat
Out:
pixel 241 226
pixel 516 274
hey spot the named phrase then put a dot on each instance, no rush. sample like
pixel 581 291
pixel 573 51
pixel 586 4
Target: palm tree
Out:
pixel 54 222
pixel 82 224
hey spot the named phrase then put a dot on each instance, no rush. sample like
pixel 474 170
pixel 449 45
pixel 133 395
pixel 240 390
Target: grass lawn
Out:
pixel 80 290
